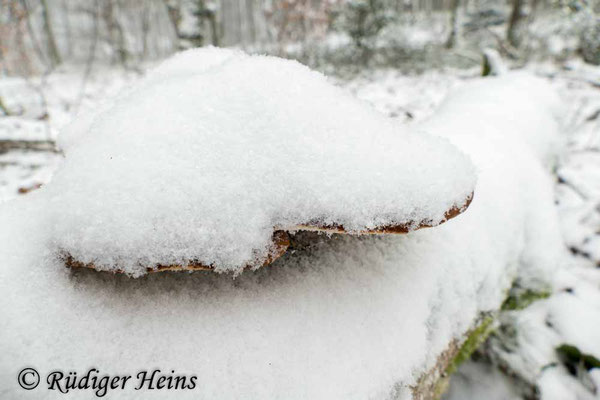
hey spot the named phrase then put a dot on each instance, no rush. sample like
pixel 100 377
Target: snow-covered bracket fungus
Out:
pixel 215 155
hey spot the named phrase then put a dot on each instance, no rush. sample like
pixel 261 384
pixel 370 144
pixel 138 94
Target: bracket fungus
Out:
pixel 210 159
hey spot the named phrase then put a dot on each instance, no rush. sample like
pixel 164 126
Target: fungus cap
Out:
pixel 214 150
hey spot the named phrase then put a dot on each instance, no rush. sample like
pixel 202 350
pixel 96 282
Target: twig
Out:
pixel 593 116
pixel 564 181
pixel 34 41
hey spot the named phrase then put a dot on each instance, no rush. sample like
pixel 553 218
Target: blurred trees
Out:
pixel 454 8
pixel 364 20
pixel 515 30
pixel 590 42
pixel 38 35
pixel 53 54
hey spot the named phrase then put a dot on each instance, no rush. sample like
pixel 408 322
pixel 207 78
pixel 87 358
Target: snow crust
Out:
pixel 353 318
pixel 214 149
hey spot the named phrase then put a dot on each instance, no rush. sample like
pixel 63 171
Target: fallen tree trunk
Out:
pixel 518 127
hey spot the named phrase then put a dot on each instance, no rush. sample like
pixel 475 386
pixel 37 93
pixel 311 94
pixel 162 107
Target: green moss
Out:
pixel 475 339
pixel 486 68
pixel 572 355
pixel 520 299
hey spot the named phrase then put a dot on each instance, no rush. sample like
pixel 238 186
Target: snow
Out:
pixel 515 121
pixel 495 63
pixel 480 381
pixel 214 149
pixel 25 170
pixel 350 318
pixel 517 134
pixel 566 313
pixel 560 386
pixel 407 98
pixel 570 316
pixel 11 129
pixel 579 171
pixel 525 344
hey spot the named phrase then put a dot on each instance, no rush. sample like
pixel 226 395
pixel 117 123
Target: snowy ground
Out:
pixel 571 315
pixel 39 108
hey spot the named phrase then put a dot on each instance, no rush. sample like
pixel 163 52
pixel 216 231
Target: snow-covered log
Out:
pixel 346 317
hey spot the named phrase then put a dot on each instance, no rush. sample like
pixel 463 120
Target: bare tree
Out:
pixel 115 30
pixel 13 51
pixel 209 14
pixel 174 12
pixel 145 22
pixel 454 24
pixel 33 37
pixel 67 26
pixel 251 21
pixel 92 52
pixel 514 34
pixel 50 40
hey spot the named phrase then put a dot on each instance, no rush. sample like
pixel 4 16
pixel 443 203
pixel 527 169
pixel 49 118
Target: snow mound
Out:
pixel 532 116
pixel 215 149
